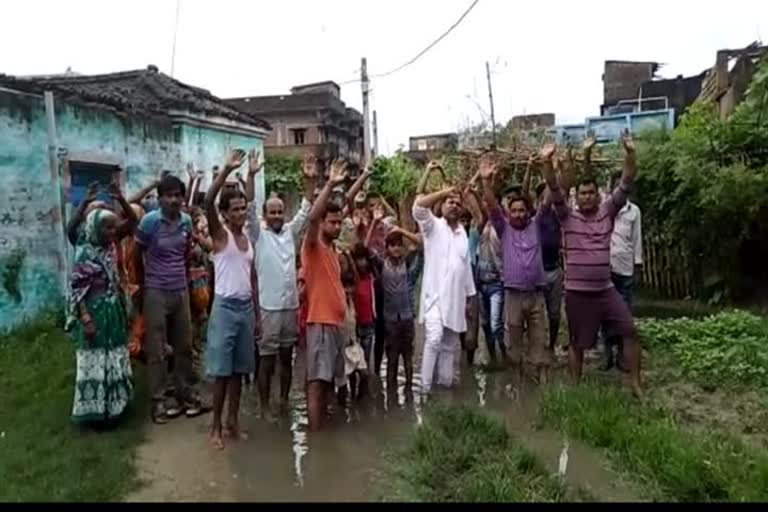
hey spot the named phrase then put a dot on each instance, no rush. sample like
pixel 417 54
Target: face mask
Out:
pixel 150 204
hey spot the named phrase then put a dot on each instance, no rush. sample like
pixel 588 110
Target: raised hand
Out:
pixel 338 172
pixel 114 188
pixel 254 162
pixel 487 167
pixel 589 142
pixel 310 166
pixel 433 165
pixel 627 143
pixel 547 151
pixel 191 170
pixel 92 192
pixel 379 212
pixel 235 160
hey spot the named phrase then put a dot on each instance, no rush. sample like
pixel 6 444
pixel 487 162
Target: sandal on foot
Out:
pixel 158 414
pixel 174 410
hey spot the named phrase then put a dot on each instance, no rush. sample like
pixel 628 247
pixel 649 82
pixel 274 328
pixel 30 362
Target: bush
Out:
pixel 729 348
pixel 705 187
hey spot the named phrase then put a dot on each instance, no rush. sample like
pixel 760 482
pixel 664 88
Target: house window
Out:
pixel 298 136
pixel 83 174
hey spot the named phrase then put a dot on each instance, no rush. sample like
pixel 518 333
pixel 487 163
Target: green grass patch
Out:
pixel 729 348
pixel 43 455
pixel 461 454
pixel 670 462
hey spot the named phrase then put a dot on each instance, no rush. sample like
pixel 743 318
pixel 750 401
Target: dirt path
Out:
pixel 280 463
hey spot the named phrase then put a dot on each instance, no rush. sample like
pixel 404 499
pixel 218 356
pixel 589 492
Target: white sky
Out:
pixel 546 55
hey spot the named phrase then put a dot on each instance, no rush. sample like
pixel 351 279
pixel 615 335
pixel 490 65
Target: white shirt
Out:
pixel 627 241
pixel 232 269
pixel 447 280
pixel 276 258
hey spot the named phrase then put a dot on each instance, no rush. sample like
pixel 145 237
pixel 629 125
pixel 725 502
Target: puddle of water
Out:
pixel 285 462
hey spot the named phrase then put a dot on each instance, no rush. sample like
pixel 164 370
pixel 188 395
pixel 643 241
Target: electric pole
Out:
pixel 175 35
pixel 366 112
pixel 375 148
pixel 490 97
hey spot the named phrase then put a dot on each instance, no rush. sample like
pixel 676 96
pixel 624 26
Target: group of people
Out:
pixel 191 281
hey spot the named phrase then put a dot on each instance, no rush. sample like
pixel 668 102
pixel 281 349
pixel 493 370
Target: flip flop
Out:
pixel 159 415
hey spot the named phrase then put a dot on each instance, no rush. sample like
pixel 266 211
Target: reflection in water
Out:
pixel 562 466
pixel 299 423
pixel 339 464
pixel 480 378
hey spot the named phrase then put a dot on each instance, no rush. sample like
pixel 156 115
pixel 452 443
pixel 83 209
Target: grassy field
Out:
pixel 461 454
pixel 43 456
pixel 670 460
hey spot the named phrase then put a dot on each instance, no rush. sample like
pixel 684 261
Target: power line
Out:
pixel 432 45
pixel 422 52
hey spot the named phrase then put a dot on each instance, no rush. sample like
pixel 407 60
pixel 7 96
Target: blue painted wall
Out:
pixel 30 223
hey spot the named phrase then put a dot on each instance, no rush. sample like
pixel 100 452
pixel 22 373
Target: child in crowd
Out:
pixel 399 273
pixel 364 300
pixel 199 287
pixel 355 364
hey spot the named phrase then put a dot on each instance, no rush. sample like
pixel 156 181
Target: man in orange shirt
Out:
pixel 326 302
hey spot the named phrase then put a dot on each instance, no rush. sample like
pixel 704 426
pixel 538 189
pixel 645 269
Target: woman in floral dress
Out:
pixel 97 321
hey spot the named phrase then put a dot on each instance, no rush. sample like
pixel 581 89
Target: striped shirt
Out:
pixel 588 240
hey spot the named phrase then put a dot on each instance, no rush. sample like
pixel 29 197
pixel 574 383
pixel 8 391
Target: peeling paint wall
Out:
pixel 30 225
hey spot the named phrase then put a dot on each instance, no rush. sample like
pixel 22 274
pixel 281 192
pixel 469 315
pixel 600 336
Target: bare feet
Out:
pixel 266 415
pixel 233 432
pixel 216 440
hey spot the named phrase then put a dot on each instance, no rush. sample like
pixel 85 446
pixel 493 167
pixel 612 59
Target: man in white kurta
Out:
pixel 445 287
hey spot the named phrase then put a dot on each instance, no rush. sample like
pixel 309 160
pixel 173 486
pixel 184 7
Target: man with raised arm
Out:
pixel 230 352
pixel 326 300
pixel 276 248
pixel 446 285
pixel 523 275
pixel 591 299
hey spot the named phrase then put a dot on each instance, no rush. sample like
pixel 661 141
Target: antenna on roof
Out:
pixel 175 33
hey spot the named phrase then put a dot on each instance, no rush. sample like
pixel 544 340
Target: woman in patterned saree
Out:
pixel 97 320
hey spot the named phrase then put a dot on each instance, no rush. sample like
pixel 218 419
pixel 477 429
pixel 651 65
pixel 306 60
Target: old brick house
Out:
pixel 311 119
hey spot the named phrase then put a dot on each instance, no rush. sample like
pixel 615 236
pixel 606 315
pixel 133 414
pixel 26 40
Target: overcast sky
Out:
pixel 546 55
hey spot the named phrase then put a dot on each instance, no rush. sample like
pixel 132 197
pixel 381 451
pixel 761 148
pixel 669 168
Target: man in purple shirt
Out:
pixel 164 237
pixel 524 278
pixel 591 298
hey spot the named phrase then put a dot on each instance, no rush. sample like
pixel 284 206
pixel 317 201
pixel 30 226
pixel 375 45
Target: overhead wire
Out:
pixel 422 52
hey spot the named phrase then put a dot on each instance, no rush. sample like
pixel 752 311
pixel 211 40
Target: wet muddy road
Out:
pixel 283 462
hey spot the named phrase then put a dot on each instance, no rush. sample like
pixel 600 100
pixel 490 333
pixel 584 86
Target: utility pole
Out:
pixel 366 112
pixel 375 149
pixel 490 97
pixel 175 35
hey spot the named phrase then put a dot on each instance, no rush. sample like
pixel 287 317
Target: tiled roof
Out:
pixel 145 91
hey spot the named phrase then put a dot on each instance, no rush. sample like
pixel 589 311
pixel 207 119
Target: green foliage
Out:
pixel 394 178
pixel 460 454
pixel 671 463
pixel 10 272
pixel 728 348
pixel 705 186
pixel 44 456
pixel 282 174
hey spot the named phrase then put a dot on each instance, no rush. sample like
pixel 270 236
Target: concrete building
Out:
pixel 726 83
pixel 532 122
pixel 424 148
pixel 621 80
pixel 311 119
pixel 131 124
